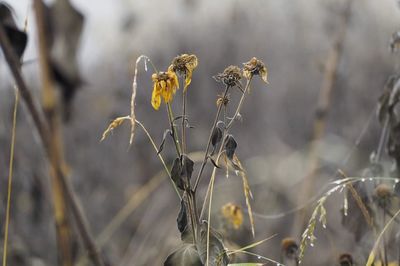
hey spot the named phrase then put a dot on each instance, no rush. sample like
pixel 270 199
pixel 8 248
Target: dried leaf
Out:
pixel 247 192
pixel 114 124
pixel 166 133
pixel 64 26
pixel 176 173
pixel 216 136
pixel 185 255
pixel 230 146
pixel 217 254
pixel 188 167
pixel 182 218
pixel 18 38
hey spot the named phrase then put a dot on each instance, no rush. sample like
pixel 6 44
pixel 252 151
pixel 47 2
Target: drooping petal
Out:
pixel 188 79
pixel 264 75
pixel 156 97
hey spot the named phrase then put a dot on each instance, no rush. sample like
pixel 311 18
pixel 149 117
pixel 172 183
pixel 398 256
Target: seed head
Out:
pixel 255 67
pixel 345 259
pixel 230 77
pixel 289 248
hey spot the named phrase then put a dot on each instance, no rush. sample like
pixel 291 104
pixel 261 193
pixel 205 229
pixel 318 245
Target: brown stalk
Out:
pixel 323 106
pixel 49 102
pixel 45 135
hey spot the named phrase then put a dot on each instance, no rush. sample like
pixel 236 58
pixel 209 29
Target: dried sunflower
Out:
pixel 165 85
pixel 184 65
pixel 233 214
pixel 230 77
pixel 255 67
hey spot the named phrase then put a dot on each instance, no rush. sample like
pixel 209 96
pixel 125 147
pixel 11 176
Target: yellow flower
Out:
pixel 165 86
pixel 184 65
pixel 255 67
pixel 233 214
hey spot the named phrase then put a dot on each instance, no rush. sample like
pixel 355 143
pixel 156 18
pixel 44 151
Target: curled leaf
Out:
pixel 185 255
pixel 114 124
pixel 176 175
pixel 217 253
pixel 182 218
pixel 230 146
pixel 18 38
pixel 166 133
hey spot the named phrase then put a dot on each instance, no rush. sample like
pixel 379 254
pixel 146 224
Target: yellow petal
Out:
pixel 188 79
pixel 156 98
pixel 264 75
pixel 233 214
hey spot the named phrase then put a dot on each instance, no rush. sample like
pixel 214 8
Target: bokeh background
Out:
pixel 293 38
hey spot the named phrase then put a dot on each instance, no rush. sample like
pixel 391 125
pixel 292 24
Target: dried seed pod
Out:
pixel 230 77
pixel 382 195
pixel 290 249
pixel 345 259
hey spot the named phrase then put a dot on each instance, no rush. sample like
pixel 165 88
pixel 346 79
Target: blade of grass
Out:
pixel 10 175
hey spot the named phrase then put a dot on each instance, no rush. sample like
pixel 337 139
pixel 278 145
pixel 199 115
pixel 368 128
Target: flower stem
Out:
pixel 173 128
pixel 239 107
pixel 159 156
pixel 209 142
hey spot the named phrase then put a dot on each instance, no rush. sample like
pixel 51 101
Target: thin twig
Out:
pixel 160 157
pixel 10 175
pixel 209 142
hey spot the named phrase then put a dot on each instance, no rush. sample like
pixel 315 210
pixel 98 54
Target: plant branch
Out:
pixel 209 142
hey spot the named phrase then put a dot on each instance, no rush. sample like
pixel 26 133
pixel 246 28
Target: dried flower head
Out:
pixel 345 259
pixel 230 77
pixel 383 195
pixel 289 248
pixel 223 100
pixel 184 65
pixel 255 67
pixel 233 214
pixel 165 85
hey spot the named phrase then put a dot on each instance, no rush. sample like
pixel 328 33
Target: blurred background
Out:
pixel 293 38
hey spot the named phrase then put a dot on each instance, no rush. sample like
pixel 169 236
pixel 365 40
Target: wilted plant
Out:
pixel 201 243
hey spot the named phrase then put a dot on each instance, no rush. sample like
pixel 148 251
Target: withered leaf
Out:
pixel 188 167
pixel 217 254
pixel 213 162
pixel 182 218
pixel 64 24
pixel 216 136
pixel 18 38
pixel 230 146
pixel 176 171
pixel 185 255
pixel 166 133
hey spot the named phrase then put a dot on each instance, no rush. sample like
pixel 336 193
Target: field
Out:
pixel 183 132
